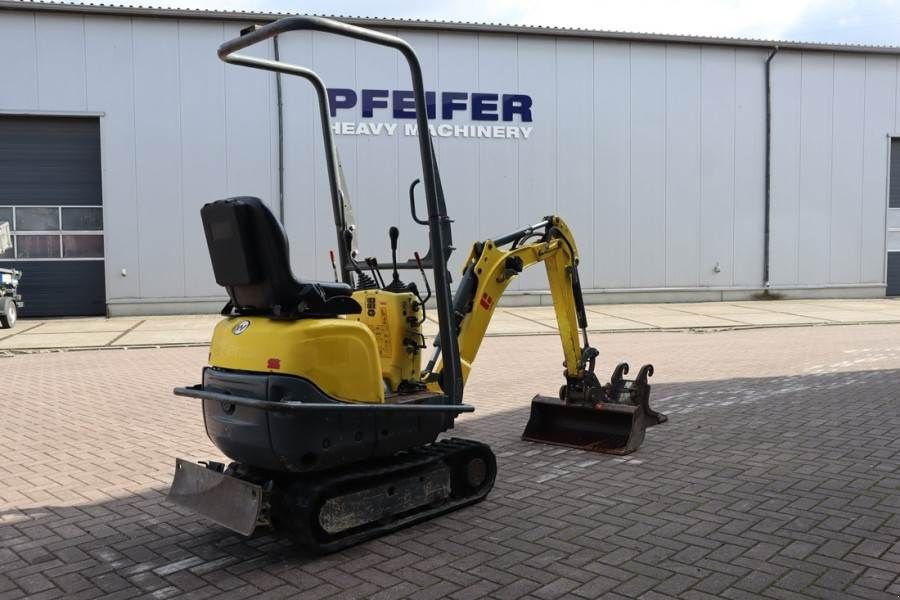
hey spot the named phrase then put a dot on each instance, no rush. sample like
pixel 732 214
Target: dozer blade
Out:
pixel 612 420
pixel 221 498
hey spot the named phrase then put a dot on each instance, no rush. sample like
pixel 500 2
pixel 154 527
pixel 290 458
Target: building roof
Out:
pixel 424 24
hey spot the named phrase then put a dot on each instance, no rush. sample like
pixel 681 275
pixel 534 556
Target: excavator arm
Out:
pixel 492 265
pixel 586 414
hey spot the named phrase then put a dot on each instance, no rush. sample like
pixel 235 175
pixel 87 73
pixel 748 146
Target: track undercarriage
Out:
pixel 329 510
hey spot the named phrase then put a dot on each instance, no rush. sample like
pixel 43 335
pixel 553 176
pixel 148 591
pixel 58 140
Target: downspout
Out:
pixel 279 116
pixel 767 283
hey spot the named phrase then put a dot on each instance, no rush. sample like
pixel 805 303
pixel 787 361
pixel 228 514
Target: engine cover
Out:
pixel 340 356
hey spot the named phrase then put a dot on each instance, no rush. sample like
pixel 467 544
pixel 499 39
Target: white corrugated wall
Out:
pixel 653 152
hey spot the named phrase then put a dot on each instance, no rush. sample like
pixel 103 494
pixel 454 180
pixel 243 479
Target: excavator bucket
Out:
pixel 611 419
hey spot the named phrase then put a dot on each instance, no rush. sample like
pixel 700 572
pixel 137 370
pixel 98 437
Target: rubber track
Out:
pixel 298 511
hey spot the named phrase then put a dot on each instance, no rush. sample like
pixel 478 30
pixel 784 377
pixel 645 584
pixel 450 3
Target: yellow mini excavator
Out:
pixel 316 391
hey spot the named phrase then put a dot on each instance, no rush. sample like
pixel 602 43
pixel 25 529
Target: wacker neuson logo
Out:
pixel 488 110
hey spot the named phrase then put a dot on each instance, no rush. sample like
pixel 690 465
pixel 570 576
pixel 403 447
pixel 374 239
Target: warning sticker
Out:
pixel 382 331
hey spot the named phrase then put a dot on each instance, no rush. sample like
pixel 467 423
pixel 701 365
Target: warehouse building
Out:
pixel 689 168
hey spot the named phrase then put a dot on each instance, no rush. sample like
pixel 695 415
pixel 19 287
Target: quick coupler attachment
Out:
pixel 612 418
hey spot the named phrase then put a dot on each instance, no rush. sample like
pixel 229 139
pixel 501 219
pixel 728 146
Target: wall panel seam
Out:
pixel 828 258
pixel 862 180
pixel 665 146
pixel 595 199
pixel 181 162
pixel 84 59
pixel 37 62
pixel 797 237
pixel 134 154
pixel 700 163
pixel 734 114
pixel 627 93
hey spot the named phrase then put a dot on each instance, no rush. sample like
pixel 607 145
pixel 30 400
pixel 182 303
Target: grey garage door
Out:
pixel 51 200
pixel 893 274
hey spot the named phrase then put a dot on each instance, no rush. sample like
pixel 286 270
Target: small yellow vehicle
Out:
pixel 316 390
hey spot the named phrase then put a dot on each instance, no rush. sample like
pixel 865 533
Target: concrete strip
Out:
pixel 605 323
pixel 508 323
pixel 57 340
pixel 597 321
pixel 629 310
pixel 684 321
pixel 595 314
pixel 545 320
pixel 712 309
pixel 882 316
pixel 545 315
pixel 88 325
pixel 167 336
pixel 124 333
pixel 774 319
pixel 833 315
pixel 21 327
pixel 179 323
pixel 861 304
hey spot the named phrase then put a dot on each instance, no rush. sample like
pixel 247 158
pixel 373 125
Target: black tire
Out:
pixel 8 313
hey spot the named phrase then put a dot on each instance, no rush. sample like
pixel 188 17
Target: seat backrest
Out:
pixel 250 259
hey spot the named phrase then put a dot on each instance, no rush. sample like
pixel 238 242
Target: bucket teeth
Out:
pixel 612 419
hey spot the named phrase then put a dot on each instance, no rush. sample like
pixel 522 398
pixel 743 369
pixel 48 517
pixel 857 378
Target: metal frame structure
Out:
pixel 439 233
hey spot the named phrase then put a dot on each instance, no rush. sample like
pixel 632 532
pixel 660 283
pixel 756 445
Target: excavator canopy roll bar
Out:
pixel 440 238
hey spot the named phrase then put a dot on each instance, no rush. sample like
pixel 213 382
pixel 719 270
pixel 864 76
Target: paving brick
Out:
pixel 596 587
pixel 715 583
pixel 556 589
pixel 835 548
pixel 675 585
pixel 798 549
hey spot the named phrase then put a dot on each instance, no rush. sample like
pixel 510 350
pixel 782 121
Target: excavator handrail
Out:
pixel 294 406
pixel 440 238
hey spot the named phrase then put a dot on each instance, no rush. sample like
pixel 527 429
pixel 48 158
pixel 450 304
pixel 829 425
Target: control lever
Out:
pixel 363 281
pixel 425 279
pixel 412 287
pixel 372 262
pixel 333 265
pixel 396 284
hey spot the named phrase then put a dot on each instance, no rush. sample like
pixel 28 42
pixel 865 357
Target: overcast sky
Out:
pixel 860 21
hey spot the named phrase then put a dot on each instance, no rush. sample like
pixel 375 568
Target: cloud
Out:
pixel 869 22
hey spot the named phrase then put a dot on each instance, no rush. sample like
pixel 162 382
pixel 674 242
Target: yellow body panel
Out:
pixel 354 357
pixel 338 355
pixel 393 319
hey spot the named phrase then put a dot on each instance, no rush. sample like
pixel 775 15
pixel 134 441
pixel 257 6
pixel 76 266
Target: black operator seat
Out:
pixel 250 259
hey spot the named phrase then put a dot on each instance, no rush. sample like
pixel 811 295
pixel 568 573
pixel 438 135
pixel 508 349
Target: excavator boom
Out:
pixel 586 414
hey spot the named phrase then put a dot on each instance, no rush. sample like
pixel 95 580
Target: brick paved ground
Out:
pixel 778 477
